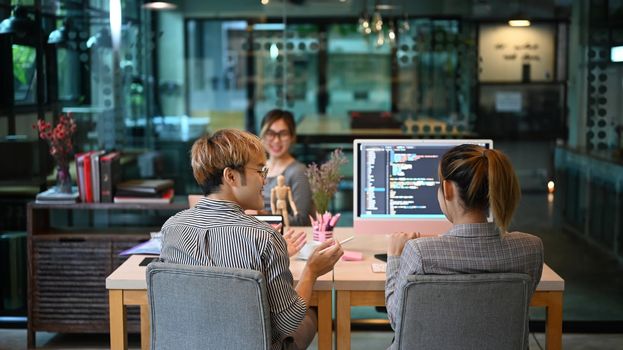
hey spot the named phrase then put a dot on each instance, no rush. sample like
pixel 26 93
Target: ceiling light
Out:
pixel 519 23
pixel 377 22
pixel 380 40
pixel 384 7
pixel 159 5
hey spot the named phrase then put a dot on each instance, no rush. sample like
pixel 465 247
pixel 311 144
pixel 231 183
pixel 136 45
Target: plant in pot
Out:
pixel 324 180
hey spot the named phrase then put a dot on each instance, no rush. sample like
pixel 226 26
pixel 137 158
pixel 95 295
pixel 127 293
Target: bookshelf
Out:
pixel 68 262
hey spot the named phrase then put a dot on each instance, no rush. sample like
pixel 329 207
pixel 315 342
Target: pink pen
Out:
pixel 326 217
pixel 313 222
pixel 334 220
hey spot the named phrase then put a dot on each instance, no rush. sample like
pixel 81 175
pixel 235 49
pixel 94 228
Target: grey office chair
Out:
pixel 470 311
pixel 197 307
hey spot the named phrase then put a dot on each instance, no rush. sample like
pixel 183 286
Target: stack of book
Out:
pixel 51 196
pixel 98 172
pixel 144 191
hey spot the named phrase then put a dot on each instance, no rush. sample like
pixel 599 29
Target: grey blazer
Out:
pixel 468 248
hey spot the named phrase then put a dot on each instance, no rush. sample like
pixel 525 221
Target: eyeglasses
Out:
pixel 263 172
pixel 282 135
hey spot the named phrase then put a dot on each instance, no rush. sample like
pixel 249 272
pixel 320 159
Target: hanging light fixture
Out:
pixel 391 35
pixel 66 35
pixel 377 22
pixel 364 23
pixel 380 39
pixel 519 19
pixel 100 39
pixel 405 27
pixel 19 24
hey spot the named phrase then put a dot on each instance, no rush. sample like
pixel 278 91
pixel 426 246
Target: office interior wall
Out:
pixel 505 50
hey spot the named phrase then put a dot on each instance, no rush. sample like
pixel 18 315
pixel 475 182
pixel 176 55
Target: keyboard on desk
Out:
pixel 379 267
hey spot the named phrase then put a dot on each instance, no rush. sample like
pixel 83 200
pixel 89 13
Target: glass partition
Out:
pixel 436 65
pixel 358 73
pixel 286 68
pixel 217 75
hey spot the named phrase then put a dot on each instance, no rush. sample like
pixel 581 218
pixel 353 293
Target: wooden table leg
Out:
pixel 342 330
pixel 553 321
pixel 118 334
pixel 145 328
pixel 325 329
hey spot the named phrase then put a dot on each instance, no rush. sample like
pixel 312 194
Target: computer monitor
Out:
pixel 395 185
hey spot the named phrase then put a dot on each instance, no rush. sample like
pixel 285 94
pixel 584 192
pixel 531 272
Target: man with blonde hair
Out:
pixel 230 168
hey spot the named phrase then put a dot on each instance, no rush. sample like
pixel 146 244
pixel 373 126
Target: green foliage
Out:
pixel 23 60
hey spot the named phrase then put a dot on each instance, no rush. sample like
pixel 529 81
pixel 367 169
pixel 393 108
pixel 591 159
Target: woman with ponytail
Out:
pixel 473 181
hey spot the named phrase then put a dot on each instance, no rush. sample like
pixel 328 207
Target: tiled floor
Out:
pixel 16 340
pixel 593 279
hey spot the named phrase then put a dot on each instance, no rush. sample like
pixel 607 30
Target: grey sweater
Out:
pixel 301 193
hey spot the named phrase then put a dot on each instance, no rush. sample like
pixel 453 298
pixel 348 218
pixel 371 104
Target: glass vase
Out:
pixel 63 179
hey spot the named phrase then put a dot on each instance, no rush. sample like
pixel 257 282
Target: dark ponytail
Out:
pixel 485 179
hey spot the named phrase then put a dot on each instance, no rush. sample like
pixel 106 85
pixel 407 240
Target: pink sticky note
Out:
pixel 351 255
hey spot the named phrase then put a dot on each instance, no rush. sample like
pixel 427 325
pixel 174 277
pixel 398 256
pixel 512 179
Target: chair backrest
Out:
pixel 468 311
pixel 198 307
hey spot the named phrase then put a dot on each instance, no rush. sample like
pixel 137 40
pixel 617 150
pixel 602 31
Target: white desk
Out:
pixel 357 285
pixel 127 286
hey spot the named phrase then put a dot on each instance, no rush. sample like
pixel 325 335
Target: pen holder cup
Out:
pixel 321 235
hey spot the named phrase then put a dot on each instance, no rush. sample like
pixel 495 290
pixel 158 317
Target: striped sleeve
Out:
pixel 287 308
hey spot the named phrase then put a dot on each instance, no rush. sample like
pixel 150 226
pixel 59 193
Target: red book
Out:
pixel 88 180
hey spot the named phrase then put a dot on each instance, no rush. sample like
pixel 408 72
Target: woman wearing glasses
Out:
pixel 278 134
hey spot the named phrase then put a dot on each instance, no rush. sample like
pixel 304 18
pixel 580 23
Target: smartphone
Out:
pixel 382 256
pixel 146 261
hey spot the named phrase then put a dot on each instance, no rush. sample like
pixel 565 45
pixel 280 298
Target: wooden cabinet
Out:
pixel 71 251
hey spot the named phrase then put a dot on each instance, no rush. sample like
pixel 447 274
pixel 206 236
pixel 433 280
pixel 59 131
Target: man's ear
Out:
pixel 448 190
pixel 230 176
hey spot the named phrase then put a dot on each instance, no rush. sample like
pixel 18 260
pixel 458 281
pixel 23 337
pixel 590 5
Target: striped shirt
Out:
pixel 466 248
pixel 218 233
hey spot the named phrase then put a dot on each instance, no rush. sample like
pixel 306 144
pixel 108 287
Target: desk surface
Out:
pixel 349 275
pixel 132 276
pixel 358 275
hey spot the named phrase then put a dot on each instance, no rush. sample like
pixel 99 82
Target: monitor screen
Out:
pixel 395 185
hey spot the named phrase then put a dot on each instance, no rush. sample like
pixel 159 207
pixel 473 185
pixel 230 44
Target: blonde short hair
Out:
pixel 226 148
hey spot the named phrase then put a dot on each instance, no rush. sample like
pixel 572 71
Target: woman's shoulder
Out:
pixel 524 238
pixel 295 168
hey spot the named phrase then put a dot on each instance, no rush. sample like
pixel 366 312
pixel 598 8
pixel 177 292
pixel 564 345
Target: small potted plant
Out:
pixel 324 180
